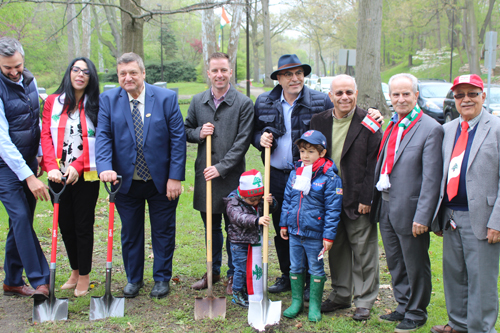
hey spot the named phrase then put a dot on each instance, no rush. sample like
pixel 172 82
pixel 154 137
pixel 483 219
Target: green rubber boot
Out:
pixel 317 285
pixel 297 283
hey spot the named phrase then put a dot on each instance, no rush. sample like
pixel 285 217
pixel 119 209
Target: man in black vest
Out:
pixel 20 189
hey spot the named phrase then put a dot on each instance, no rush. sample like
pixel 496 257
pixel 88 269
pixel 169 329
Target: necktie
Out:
pixel 456 162
pixel 140 163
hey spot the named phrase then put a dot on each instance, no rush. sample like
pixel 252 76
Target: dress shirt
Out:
pixel 8 151
pixel 473 122
pixel 282 157
pixel 217 101
pixel 141 99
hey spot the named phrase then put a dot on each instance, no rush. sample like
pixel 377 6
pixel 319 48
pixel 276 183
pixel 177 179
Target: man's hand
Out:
pixel 364 209
pixel 54 175
pixel 211 173
pixel 284 234
pixel 493 236
pixel 419 229
pixel 108 176
pixel 376 115
pixel 327 245
pixel 38 188
pixel 71 175
pixel 206 130
pixel 439 233
pixel 266 140
pixel 174 189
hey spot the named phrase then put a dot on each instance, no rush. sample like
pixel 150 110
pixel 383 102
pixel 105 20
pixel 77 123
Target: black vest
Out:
pixel 22 111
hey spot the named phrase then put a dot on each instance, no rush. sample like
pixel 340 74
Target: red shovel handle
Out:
pixel 55 220
pixel 111 223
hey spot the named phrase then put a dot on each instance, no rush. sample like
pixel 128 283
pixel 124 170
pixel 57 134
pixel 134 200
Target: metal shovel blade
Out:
pixel 106 306
pixel 209 307
pixel 263 313
pixel 48 310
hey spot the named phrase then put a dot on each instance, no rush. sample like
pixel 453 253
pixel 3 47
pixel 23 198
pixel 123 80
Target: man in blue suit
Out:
pixel 140 136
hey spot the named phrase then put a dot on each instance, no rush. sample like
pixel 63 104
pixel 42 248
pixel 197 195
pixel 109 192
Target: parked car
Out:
pixel 323 84
pixel 450 110
pixel 432 93
pixel 385 90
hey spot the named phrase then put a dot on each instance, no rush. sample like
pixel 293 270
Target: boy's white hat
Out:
pixel 251 184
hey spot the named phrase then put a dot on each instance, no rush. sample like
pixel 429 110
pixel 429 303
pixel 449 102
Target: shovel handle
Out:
pixel 267 185
pixel 209 217
pixel 111 222
pixel 55 220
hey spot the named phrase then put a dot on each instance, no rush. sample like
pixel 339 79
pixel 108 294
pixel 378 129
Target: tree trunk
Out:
pixel 438 23
pixel 267 43
pixel 368 55
pixel 487 20
pixel 472 45
pixel 255 43
pixel 132 29
pixel 86 30
pixel 232 48
pixel 73 33
pixel 207 37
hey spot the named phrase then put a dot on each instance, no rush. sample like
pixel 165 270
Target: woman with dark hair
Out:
pixel 68 144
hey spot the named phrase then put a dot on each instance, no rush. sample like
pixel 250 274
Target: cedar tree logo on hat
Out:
pixel 472 79
pixel 251 184
pixel 288 61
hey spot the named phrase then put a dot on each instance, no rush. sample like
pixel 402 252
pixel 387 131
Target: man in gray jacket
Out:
pixel 226 115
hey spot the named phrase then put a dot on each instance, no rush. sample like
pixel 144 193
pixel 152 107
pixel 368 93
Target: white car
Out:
pixel 323 84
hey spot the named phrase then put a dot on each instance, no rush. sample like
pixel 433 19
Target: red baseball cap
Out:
pixel 472 79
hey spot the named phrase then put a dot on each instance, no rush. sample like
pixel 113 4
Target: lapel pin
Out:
pixel 148 115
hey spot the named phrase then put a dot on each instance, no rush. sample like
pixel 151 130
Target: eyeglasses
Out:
pixel 340 93
pixel 77 70
pixel 469 94
pixel 289 75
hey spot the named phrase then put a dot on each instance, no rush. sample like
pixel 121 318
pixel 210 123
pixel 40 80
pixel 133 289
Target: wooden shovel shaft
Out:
pixel 267 184
pixel 209 218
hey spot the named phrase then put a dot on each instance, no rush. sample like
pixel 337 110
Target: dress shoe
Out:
pixel 445 329
pixel 203 283
pixel 41 292
pixel 330 306
pixel 282 284
pixel 23 291
pixel 82 288
pixel 361 314
pixel 408 325
pixel 229 287
pixel 393 316
pixel 160 289
pixel 132 289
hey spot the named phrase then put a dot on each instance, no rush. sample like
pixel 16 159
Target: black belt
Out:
pixel 285 171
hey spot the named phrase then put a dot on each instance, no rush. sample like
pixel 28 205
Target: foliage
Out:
pixel 431 59
pixel 173 71
pixel 169 42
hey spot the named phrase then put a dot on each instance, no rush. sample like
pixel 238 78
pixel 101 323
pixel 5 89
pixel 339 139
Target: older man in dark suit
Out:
pixel 408 174
pixel 353 145
pixel 470 209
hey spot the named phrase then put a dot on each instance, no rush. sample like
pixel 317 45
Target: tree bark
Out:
pixel 368 55
pixel 267 43
pixel 256 41
pixel 487 20
pixel 86 30
pixel 207 36
pixel 73 33
pixel 472 45
pixel 438 23
pixel 232 48
pixel 132 29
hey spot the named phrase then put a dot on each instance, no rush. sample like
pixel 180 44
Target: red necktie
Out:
pixel 456 162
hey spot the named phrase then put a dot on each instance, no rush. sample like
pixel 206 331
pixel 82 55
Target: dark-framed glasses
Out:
pixel 340 93
pixel 289 75
pixel 77 70
pixel 469 94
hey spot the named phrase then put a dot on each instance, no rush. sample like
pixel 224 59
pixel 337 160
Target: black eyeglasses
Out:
pixel 340 93
pixel 289 75
pixel 77 70
pixel 469 94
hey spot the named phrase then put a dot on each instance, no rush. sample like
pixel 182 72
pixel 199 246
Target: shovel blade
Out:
pixel 50 311
pixel 209 307
pixel 263 313
pixel 106 306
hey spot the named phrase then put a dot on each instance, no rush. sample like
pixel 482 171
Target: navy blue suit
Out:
pixel 165 154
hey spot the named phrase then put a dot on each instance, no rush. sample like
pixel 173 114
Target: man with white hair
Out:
pixel 407 176
pixel 353 139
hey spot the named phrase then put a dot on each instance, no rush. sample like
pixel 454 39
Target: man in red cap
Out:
pixel 469 212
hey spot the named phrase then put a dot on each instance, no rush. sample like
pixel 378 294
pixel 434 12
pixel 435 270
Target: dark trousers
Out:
pixel 22 248
pixel 131 207
pixel 76 221
pixel 278 185
pixel 218 241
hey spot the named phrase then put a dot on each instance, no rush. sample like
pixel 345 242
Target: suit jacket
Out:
pixel 415 177
pixel 358 159
pixel 164 139
pixel 482 178
pixel 233 122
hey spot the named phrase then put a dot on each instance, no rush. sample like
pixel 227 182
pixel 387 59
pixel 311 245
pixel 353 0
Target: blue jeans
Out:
pixel 240 253
pixel 302 249
pixel 217 242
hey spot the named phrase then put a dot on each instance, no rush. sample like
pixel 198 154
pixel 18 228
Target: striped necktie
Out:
pixel 140 163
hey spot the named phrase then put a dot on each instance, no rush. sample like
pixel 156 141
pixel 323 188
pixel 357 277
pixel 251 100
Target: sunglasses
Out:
pixel 341 93
pixel 469 94
pixel 77 70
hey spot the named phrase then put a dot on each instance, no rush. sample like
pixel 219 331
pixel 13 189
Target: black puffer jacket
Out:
pixel 269 115
pixel 244 219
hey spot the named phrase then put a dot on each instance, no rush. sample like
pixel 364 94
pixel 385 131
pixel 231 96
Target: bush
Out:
pixel 111 76
pixel 173 71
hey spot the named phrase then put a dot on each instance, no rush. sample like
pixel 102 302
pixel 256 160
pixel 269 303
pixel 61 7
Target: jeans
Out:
pixel 218 241
pixel 305 250
pixel 239 252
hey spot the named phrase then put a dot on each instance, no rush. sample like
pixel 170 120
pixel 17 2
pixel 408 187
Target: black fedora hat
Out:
pixel 288 61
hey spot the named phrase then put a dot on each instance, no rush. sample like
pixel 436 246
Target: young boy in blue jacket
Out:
pixel 309 219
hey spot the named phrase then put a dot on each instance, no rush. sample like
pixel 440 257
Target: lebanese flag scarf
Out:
pixel 58 121
pixel 255 282
pixel 404 126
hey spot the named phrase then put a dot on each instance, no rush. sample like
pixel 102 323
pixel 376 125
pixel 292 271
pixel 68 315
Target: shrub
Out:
pixel 173 71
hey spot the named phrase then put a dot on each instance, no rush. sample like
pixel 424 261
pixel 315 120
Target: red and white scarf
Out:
pixel 255 283
pixel 58 121
pixel 404 125
pixel 303 175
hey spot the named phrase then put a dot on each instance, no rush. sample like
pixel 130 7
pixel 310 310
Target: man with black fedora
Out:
pixel 281 117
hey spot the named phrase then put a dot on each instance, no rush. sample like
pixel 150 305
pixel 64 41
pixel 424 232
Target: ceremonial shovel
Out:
pixel 210 306
pixel 265 312
pixel 52 308
pixel 108 305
